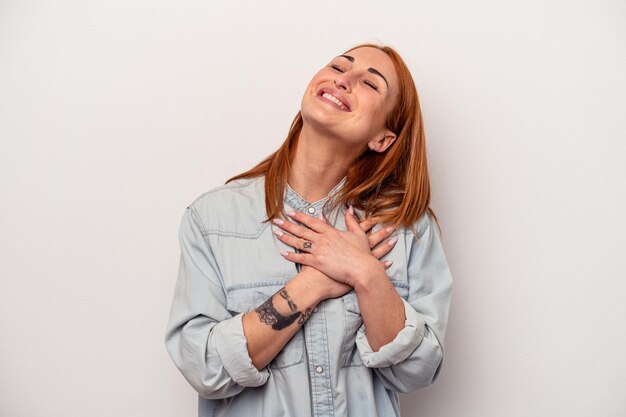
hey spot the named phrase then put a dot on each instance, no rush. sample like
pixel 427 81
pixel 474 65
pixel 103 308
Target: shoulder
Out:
pixel 420 226
pixel 234 192
pixel 236 208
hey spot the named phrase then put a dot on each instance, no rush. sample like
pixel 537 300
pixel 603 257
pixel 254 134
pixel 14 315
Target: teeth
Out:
pixel 334 100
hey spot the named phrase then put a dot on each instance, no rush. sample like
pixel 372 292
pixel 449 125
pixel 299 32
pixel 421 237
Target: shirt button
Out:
pixel 319 369
pixel 311 210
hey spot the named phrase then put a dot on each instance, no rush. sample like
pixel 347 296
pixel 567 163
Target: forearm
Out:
pixel 271 325
pixel 381 307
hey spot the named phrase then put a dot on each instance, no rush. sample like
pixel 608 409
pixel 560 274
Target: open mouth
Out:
pixel 325 94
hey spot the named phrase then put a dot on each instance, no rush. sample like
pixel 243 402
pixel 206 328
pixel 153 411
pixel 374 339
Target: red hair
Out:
pixel 392 186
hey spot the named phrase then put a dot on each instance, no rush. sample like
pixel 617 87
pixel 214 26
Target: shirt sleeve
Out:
pixel 413 359
pixel 205 341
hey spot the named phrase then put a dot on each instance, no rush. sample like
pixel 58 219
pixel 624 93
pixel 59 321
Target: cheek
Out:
pixel 316 78
pixel 313 84
pixel 378 111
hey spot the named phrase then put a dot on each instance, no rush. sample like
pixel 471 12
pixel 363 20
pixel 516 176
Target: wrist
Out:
pixel 311 280
pixel 368 274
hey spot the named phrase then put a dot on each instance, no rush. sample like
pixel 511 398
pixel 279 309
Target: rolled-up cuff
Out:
pixel 231 346
pixel 400 348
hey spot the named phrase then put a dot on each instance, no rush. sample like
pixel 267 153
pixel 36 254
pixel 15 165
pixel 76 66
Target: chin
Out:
pixel 320 113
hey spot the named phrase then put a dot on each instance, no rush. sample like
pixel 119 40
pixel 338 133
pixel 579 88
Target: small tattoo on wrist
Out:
pixel 304 317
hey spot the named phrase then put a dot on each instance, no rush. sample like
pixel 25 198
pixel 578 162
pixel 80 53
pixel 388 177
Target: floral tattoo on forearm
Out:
pixel 270 316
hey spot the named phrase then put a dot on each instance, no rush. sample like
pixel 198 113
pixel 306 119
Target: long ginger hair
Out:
pixel 392 186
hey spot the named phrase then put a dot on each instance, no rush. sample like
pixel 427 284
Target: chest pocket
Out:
pixel 353 321
pixel 247 298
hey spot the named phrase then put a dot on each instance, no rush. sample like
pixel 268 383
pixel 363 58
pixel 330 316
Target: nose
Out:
pixel 343 82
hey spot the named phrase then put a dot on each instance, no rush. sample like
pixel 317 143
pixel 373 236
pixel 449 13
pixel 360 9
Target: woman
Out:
pixel 354 311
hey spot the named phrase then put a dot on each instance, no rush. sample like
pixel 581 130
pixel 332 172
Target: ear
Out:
pixel 385 139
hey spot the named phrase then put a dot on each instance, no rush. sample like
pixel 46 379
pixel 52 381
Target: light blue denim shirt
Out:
pixel 230 264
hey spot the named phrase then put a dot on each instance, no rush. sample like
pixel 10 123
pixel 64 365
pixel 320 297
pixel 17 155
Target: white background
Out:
pixel 114 115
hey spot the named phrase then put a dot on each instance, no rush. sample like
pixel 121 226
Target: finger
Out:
pixel 306 245
pixel 311 222
pixel 296 229
pixel 384 248
pixel 351 222
pixel 378 236
pixel 300 258
pixel 387 263
pixel 293 241
pixel 367 224
pixel 321 217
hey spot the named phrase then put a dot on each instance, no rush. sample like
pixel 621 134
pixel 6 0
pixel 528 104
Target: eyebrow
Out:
pixel 372 70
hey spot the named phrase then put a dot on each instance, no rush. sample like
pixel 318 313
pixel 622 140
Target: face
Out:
pixel 351 96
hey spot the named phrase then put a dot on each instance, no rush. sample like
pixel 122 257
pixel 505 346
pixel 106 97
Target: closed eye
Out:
pixel 341 70
pixel 371 84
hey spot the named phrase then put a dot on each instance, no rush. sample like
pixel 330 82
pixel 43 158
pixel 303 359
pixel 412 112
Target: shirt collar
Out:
pixel 297 202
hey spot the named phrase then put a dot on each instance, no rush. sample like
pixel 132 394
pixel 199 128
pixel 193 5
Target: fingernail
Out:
pixel 278 221
pixel 351 209
pixel 285 253
pixel 277 232
pixel 390 229
pixel 290 213
pixel 392 241
pixel 388 263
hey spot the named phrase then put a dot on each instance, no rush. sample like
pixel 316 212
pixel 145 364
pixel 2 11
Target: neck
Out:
pixel 319 163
